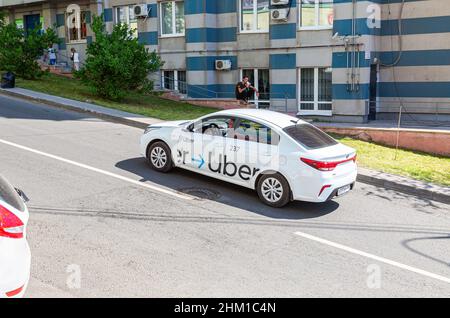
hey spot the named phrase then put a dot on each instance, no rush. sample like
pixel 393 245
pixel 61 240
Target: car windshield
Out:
pixel 309 136
pixel 9 195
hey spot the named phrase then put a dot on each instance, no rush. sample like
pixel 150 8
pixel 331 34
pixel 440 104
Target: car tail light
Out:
pixel 326 165
pixel 14 292
pixel 10 225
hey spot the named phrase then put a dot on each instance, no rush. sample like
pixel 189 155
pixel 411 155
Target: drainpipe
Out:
pixel 348 60
pixel 354 57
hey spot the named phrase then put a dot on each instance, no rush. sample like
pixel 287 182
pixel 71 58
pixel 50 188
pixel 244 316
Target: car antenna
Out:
pixel 295 121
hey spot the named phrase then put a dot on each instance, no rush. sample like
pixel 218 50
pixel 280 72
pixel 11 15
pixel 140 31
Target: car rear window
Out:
pixel 309 136
pixel 9 195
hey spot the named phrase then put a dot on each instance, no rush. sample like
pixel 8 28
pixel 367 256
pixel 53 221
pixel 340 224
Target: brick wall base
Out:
pixel 214 103
pixel 433 142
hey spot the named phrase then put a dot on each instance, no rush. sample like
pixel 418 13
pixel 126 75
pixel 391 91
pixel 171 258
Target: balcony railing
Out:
pixel 274 101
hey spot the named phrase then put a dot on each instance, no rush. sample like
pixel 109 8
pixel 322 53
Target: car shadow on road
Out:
pixel 408 244
pixel 224 192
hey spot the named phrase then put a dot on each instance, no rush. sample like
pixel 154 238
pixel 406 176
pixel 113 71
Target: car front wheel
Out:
pixel 273 190
pixel 160 157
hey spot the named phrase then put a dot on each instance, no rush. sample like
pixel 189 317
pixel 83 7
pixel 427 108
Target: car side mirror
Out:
pixel 22 195
pixel 189 128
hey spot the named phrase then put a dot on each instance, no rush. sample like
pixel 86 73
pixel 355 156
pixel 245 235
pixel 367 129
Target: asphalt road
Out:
pixel 102 227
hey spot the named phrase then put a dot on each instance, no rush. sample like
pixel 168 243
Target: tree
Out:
pixel 117 63
pixel 21 50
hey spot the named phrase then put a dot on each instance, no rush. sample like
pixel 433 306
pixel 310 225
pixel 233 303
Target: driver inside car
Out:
pixel 218 127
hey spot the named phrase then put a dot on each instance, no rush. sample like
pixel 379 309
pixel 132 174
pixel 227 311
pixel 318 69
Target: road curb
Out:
pixel 400 187
pixel 366 178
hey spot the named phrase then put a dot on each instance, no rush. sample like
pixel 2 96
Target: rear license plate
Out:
pixel 343 190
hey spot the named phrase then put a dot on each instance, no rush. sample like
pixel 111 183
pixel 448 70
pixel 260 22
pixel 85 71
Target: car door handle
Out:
pixel 185 139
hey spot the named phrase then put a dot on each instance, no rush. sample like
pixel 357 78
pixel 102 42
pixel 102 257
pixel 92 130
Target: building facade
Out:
pixel 341 60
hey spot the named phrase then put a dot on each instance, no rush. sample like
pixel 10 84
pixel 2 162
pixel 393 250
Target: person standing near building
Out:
pixel 245 90
pixel 52 56
pixel 75 59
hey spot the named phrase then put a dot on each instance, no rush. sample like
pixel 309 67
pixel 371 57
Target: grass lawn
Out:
pixel 420 166
pixel 147 105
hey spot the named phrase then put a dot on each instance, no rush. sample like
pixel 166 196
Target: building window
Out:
pixel 125 15
pixel 174 81
pixel 77 32
pixel 20 24
pixel 316 14
pixel 172 18
pixel 260 79
pixel 316 91
pixel 182 82
pixel 255 15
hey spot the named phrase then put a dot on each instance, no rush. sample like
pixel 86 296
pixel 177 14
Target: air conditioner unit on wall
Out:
pixel 140 10
pixel 279 2
pixel 279 14
pixel 223 65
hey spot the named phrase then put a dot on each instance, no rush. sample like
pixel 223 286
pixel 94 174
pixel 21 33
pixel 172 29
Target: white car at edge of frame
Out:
pixel 282 157
pixel 15 255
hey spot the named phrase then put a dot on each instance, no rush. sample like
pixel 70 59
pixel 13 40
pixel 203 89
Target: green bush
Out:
pixel 19 51
pixel 117 63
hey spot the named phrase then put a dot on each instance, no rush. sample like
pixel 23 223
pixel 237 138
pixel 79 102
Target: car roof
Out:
pixel 276 118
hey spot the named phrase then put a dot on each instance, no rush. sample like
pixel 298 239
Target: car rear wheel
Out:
pixel 159 156
pixel 273 190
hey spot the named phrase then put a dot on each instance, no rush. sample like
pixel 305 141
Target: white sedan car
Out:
pixel 281 157
pixel 15 256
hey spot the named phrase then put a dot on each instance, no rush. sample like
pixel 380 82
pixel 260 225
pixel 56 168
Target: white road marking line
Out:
pixel 374 257
pixel 106 173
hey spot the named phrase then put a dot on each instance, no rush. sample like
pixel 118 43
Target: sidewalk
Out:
pixel 376 178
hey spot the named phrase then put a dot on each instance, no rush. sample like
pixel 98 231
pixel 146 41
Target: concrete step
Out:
pixel 59 69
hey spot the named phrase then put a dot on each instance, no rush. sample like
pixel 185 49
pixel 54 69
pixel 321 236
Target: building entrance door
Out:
pixel 260 79
pixel 31 22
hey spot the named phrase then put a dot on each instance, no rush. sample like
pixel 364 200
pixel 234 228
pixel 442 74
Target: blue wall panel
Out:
pixel 153 10
pixel 283 31
pixel 417 58
pixel 390 27
pixel 62 44
pixel 60 20
pixel 209 6
pixel 148 38
pixel 340 59
pixel 212 91
pixel 201 35
pixel 283 61
pixel 281 91
pixel 108 15
pixel 340 91
pixel 415 89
